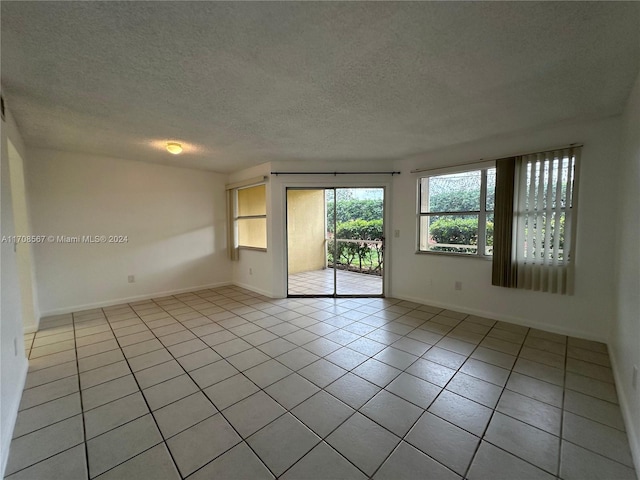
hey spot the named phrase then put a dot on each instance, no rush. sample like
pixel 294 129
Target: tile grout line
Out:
pixel 205 395
pixel 287 410
pixel 257 347
pixel 361 336
pixel 260 389
pixel 125 423
pixel 165 348
pixel 503 387
pixel 358 410
pixel 84 426
pixel 402 438
pixel 493 411
pixel 53 423
pixel 564 393
pixel 150 412
pixel 442 389
pixel 369 357
pixel 279 416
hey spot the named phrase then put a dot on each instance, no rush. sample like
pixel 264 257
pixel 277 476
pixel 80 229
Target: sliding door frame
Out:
pixel 335 293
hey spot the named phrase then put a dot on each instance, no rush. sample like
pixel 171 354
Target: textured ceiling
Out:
pixel 245 83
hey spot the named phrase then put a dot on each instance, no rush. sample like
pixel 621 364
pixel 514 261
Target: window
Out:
pixel 251 217
pixel 520 211
pixel 456 212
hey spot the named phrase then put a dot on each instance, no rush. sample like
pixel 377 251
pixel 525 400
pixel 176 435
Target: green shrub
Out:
pixel 457 231
pixel 360 229
pixel 455 201
pixel 369 255
pixel 347 210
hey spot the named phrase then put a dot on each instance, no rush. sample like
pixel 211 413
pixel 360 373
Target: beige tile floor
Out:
pixel 320 282
pixel 227 384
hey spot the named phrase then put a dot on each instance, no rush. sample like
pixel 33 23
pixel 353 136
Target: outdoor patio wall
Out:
pixel 306 231
pixel 430 278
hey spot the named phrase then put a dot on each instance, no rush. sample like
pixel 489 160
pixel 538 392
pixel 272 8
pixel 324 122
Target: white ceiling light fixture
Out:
pixel 174 148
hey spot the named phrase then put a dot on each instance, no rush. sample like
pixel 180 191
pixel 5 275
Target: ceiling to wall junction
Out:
pixel 242 83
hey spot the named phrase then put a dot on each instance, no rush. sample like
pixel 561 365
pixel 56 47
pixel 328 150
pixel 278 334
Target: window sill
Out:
pixel 456 255
pixel 255 249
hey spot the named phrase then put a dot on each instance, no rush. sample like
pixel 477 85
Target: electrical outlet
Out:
pixel 458 285
pixel 131 279
pixel 251 271
pixel 634 378
pixel 396 233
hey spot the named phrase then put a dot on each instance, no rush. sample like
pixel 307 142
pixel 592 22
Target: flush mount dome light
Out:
pixel 174 148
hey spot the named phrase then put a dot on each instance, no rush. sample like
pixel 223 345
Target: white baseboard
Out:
pixel 7 431
pixel 32 328
pixel 136 298
pixel 627 415
pixel 505 318
pixel 253 289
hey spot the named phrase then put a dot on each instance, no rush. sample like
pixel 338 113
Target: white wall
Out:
pixel 253 269
pixel 14 364
pixel 625 338
pixel 174 219
pixel 430 278
pixel 22 221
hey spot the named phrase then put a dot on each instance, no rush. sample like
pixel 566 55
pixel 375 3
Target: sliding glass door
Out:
pixel 335 241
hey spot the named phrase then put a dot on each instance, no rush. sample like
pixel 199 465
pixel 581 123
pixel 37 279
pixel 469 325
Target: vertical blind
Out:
pixel 232 242
pixel 535 221
pixel 545 212
pixel 504 271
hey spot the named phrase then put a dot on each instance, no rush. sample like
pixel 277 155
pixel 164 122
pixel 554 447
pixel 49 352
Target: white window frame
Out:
pixel 482 213
pixel 232 215
pixel 238 217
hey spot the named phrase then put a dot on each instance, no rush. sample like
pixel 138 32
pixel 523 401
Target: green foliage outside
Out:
pixel 461 193
pixel 458 231
pixel 458 193
pixel 463 231
pixel 357 220
pixel 347 210
pixel 458 201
